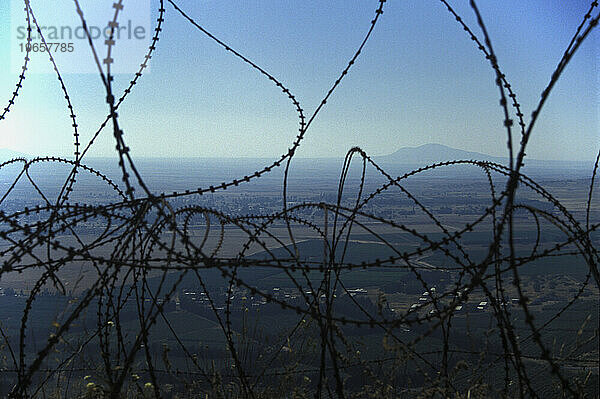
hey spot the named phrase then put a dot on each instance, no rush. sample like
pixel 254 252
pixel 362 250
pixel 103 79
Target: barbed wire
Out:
pixel 147 250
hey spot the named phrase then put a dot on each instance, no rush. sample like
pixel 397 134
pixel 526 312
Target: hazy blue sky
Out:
pixel 420 80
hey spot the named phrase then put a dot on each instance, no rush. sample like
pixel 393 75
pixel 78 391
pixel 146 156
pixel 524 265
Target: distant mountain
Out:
pixel 6 154
pixel 432 153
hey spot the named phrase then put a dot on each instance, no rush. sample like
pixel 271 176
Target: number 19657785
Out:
pixel 50 47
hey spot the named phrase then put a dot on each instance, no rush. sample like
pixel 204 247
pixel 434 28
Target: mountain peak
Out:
pixel 432 153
